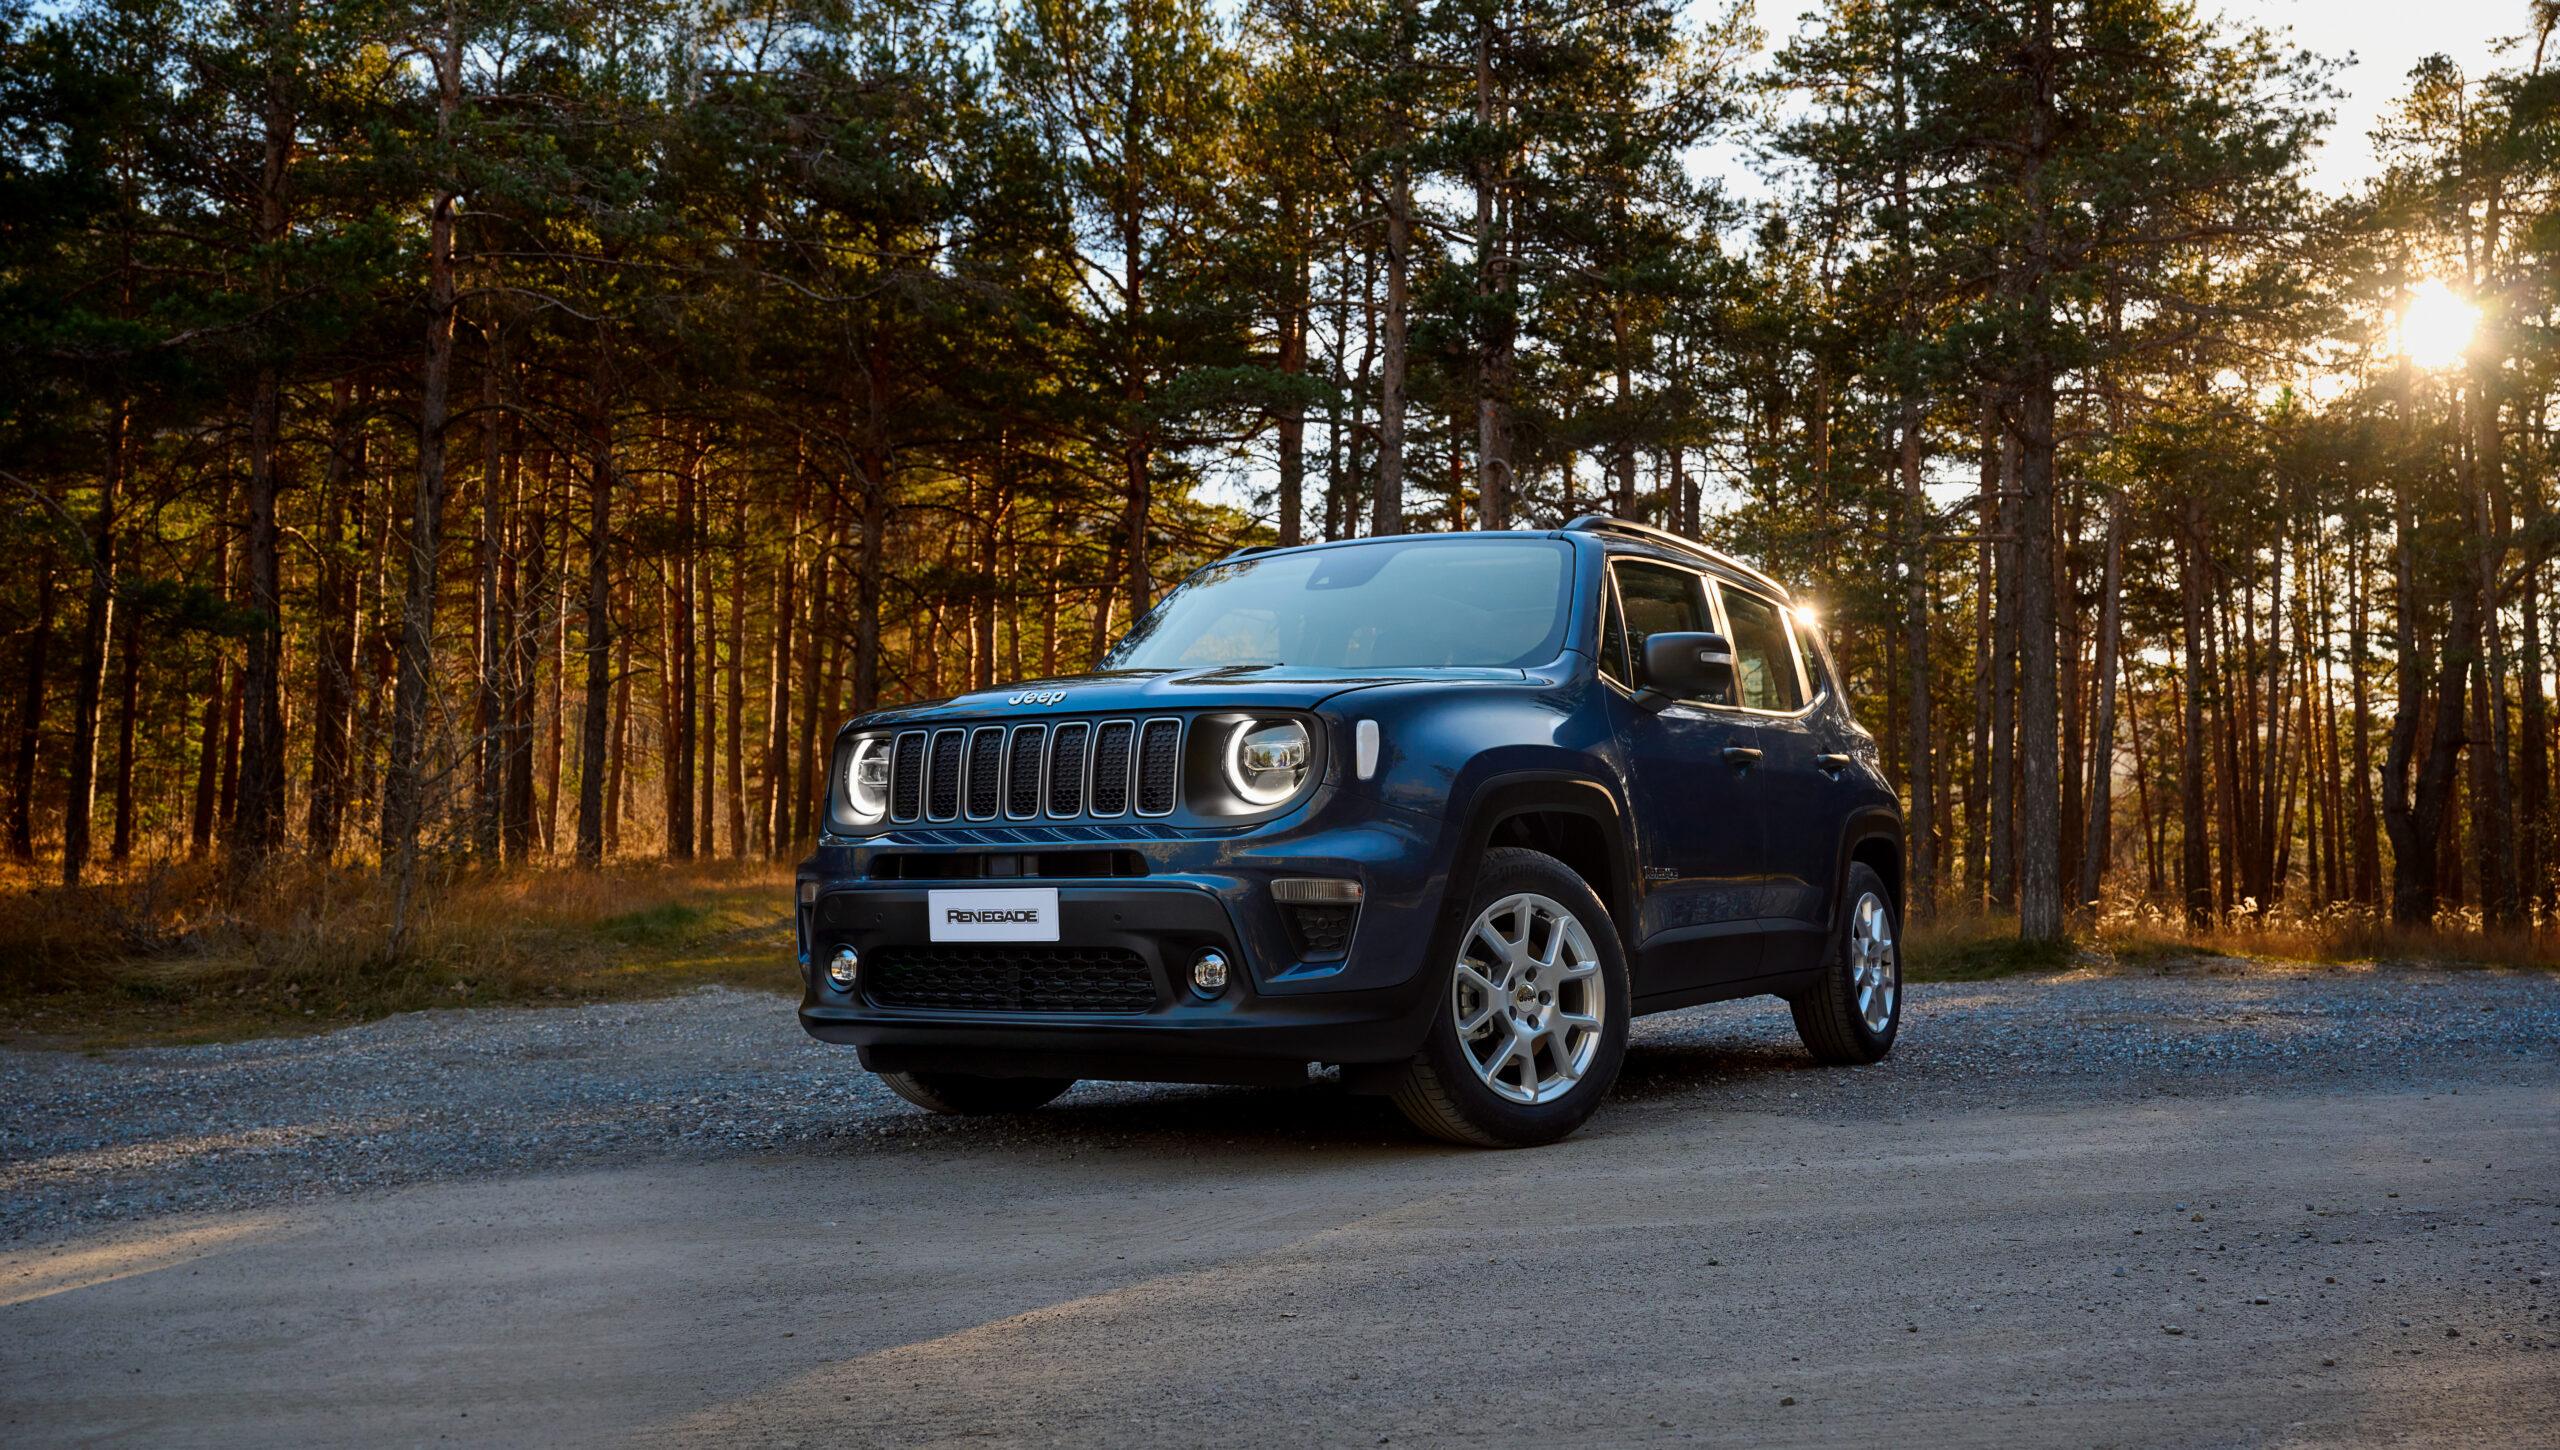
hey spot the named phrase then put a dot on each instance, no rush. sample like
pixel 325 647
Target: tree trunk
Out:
pixel 128 704
pixel 2367 890
pixel 1387 516
pixel 31 681
pixel 97 632
pixel 488 684
pixel 1923 823
pixel 334 665
pixel 2004 684
pixel 1494 361
pixel 2195 870
pixel 778 693
pixel 2415 816
pixel 2094 851
pixel 736 756
pixel 404 794
pixel 526 614
pixel 594 722
pixel 258 827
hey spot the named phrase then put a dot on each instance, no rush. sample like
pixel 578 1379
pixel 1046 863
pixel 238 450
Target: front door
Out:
pixel 1699 833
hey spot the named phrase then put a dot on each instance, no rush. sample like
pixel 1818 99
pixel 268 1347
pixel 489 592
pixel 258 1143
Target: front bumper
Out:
pixel 1283 1009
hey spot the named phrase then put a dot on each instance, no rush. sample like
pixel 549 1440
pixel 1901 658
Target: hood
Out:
pixel 1277 687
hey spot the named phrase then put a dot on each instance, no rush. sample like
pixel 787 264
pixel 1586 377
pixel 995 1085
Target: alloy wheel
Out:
pixel 1528 998
pixel 1875 967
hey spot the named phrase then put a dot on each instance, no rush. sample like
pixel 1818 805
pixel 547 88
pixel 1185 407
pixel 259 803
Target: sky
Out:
pixel 2386 38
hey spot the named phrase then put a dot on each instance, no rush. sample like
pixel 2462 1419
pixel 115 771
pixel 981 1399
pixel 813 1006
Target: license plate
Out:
pixel 1027 913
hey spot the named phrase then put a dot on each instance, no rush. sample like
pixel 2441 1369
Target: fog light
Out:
pixel 1315 891
pixel 842 968
pixel 1209 973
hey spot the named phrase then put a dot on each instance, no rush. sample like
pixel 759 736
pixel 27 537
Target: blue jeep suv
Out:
pixel 1442 812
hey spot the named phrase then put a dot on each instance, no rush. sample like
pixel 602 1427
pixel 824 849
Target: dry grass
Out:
pixel 174 952
pixel 1973 947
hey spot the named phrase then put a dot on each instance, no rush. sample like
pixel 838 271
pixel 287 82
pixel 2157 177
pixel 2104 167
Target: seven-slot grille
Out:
pixel 1074 770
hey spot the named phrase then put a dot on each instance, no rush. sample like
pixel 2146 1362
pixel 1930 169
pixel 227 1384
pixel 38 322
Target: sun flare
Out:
pixel 2436 325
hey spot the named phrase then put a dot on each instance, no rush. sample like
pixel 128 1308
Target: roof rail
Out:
pixel 1605 524
pixel 1247 551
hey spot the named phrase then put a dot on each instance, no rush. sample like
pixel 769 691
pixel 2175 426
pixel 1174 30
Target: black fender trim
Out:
pixel 1872 823
pixel 1529 792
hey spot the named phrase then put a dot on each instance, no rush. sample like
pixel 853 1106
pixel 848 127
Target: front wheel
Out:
pixel 970 1096
pixel 1532 1017
pixel 1852 1014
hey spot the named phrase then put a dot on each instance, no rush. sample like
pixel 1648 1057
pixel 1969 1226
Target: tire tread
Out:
pixel 1827 1016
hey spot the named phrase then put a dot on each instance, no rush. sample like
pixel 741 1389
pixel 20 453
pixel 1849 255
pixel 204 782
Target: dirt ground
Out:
pixel 2307 1209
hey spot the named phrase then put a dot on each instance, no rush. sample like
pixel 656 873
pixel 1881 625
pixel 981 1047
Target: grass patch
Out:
pixel 178 953
pixel 665 924
pixel 1977 948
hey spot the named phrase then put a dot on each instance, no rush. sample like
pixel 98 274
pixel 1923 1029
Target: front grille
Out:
pixel 986 774
pixel 1022 774
pixel 942 784
pixel 1073 770
pixel 906 776
pixel 1009 977
pixel 1159 766
pixel 1111 769
pixel 1066 769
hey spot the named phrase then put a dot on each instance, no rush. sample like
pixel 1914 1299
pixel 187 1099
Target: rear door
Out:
pixel 1699 832
pixel 1796 785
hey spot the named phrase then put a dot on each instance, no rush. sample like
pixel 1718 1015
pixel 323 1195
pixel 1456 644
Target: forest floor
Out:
pixel 175 954
pixel 2202 1206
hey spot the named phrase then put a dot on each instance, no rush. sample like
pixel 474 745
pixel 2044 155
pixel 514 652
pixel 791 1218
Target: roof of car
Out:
pixel 1613 529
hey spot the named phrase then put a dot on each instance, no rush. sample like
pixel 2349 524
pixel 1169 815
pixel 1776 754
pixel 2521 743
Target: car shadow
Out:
pixel 1660 1069
pixel 1324 1115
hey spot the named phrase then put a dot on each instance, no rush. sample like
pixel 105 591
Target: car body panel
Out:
pixel 1722 879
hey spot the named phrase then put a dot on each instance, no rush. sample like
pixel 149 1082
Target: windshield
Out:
pixel 1395 604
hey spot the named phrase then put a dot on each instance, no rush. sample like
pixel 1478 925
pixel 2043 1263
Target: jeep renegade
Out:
pixel 1440 812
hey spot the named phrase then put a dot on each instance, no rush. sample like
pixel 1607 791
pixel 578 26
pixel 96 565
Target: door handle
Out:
pixel 1832 764
pixel 1742 757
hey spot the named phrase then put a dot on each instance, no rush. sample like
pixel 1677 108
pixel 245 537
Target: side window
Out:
pixel 1613 641
pixel 1659 599
pixel 1817 670
pixel 1764 666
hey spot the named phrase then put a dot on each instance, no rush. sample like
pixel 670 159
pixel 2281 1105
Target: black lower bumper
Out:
pixel 1240 1035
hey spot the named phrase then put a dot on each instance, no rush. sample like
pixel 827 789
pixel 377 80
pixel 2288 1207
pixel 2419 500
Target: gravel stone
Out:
pixel 91 1139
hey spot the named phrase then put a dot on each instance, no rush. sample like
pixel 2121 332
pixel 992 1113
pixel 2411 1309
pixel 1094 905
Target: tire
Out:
pixel 1841 1019
pixel 1558 982
pixel 966 1096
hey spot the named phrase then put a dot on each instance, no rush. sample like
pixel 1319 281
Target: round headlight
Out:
pixel 1267 760
pixel 866 780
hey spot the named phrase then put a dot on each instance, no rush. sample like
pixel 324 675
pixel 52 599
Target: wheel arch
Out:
pixel 1573 818
pixel 1873 838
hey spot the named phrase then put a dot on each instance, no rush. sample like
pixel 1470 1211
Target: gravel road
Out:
pixel 2200 1207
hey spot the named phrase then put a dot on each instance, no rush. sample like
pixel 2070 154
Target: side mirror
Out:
pixel 1689 666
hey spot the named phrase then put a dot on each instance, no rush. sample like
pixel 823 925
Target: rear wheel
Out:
pixel 1853 1013
pixel 970 1096
pixel 1533 1011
